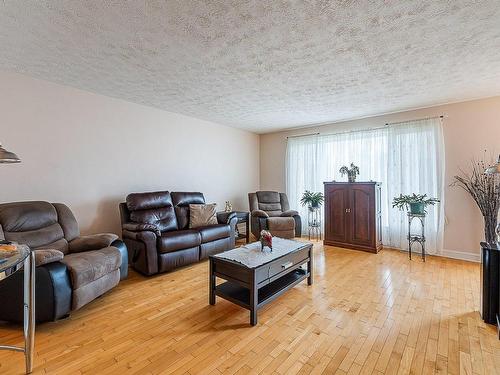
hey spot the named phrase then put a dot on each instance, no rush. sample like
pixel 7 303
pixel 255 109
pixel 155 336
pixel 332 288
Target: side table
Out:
pixel 490 283
pixel 243 218
pixel 23 257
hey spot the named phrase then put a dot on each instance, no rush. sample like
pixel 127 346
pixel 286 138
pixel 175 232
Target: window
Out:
pixel 406 158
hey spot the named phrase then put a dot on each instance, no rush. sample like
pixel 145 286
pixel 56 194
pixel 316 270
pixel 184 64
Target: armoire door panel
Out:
pixel 337 202
pixel 361 214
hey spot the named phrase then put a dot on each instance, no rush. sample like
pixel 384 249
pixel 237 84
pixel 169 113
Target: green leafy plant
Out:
pixel 352 171
pixel 312 199
pixel 417 203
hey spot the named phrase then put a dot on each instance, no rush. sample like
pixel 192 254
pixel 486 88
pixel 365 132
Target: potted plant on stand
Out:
pixel 313 201
pixel 416 204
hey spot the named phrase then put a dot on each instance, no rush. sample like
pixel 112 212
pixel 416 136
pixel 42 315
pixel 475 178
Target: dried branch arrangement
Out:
pixel 485 190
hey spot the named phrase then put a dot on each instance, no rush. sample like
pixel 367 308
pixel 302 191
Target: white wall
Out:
pixel 89 151
pixel 469 129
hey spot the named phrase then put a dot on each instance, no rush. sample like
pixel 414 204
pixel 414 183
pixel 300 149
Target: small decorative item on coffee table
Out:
pixel 266 240
pixel 255 278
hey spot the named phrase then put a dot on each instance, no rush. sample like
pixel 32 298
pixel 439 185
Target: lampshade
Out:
pixel 494 169
pixel 8 157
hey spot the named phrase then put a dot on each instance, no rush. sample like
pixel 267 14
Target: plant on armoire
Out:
pixel 352 172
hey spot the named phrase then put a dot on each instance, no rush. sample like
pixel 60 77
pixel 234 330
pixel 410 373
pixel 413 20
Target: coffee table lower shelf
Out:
pixel 241 295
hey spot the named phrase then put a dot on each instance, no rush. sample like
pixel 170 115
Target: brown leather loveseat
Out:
pixel 155 228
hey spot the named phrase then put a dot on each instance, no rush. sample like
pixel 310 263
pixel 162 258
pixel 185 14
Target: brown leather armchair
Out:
pixel 155 228
pixel 71 271
pixel 270 210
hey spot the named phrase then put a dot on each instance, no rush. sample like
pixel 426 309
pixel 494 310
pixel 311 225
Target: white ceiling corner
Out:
pixel 261 65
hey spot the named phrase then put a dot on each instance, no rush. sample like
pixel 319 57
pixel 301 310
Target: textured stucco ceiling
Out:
pixel 261 65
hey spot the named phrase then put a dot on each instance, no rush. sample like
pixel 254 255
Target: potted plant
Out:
pixel 416 204
pixel 312 200
pixel 351 172
pixel 484 188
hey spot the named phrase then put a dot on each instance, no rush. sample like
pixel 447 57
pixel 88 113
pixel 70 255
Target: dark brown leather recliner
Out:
pixel 71 271
pixel 270 210
pixel 155 228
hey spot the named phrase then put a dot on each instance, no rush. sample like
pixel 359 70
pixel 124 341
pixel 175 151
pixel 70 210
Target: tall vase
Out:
pixel 490 229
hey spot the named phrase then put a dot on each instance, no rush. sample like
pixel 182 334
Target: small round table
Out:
pixel 9 264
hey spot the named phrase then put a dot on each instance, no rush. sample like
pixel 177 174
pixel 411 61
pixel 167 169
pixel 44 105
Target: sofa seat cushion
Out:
pixel 86 267
pixel 178 240
pixel 281 223
pixel 283 227
pixel 211 233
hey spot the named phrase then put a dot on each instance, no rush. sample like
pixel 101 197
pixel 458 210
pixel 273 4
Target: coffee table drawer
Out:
pixel 288 262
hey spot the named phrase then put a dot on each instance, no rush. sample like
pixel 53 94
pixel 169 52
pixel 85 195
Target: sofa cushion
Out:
pixel 211 233
pixel 89 266
pixel 181 201
pixel 39 237
pixel 92 242
pixel 270 202
pixel 32 223
pixel 202 214
pixel 147 201
pixel 178 240
pixel 280 223
pixel 154 208
pixel 283 227
pixel 67 221
pixel 61 245
pixel 27 216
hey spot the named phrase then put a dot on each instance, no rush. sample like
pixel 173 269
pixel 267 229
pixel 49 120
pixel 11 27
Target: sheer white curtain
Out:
pixel 406 158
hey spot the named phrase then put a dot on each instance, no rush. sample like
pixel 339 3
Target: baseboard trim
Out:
pixel 452 254
pixel 460 255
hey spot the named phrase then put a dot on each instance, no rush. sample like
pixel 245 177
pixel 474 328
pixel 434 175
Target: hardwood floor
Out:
pixel 365 314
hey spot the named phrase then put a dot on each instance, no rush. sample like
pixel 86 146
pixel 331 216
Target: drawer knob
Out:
pixel 286 265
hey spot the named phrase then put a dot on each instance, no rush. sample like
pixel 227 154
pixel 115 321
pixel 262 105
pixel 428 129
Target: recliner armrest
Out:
pixel 289 213
pixel 140 227
pixel 92 242
pixel 143 254
pixel 144 236
pixel 225 217
pixel 259 213
pixel 46 256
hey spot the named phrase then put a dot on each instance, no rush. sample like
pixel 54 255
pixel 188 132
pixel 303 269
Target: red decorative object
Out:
pixel 266 239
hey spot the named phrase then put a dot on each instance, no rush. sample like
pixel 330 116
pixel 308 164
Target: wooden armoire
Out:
pixel 352 215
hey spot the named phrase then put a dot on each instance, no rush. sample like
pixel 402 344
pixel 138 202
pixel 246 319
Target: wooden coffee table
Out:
pixel 255 286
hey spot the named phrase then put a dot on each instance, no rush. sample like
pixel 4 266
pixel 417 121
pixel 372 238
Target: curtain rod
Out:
pixel 418 119
pixel 302 135
pixel 364 130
